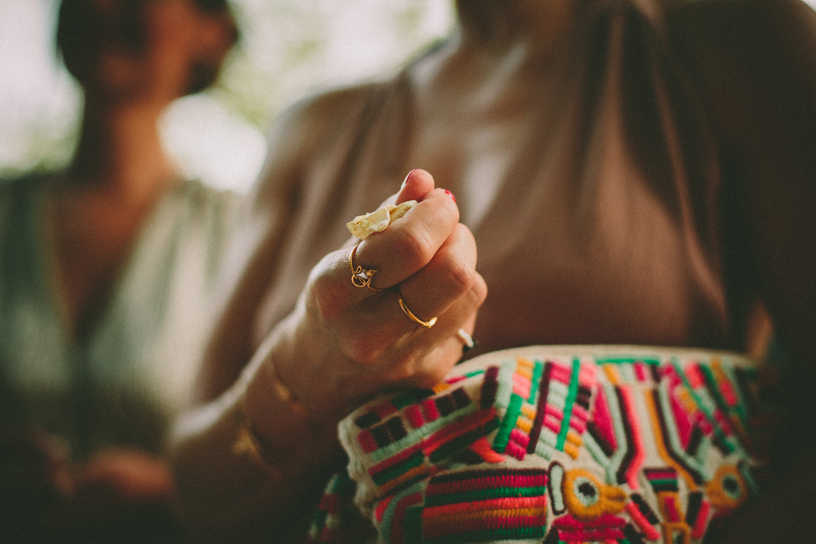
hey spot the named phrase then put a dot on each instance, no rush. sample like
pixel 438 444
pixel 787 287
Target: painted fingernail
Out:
pixel 450 194
pixel 405 181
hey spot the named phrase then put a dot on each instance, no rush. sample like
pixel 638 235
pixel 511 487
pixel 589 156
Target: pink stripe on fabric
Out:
pixel 554 412
pixel 634 423
pixel 520 438
pixel 429 410
pixel 701 522
pixel 670 504
pixel 579 412
pixel 476 483
pixel 648 530
pixel 385 409
pixel 681 420
pixel 457 428
pixel 552 424
pixel 414 416
pixel 560 373
pixel 367 442
pixel 693 375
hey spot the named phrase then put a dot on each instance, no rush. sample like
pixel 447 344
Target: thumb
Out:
pixel 417 184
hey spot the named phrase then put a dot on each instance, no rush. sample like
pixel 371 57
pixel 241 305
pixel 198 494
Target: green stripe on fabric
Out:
pixel 399 469
pixel 461 442
pixel 412 524
pixel 740 407
pixel 508 423
pixel 568 403
pixel 701 406
pixel 627 360
pixel 485 494
pixel 388 515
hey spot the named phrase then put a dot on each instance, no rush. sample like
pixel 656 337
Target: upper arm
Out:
pixel 296 139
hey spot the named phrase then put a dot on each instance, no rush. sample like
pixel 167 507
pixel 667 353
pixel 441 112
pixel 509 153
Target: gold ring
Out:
pixel 412 317
pixel 361 277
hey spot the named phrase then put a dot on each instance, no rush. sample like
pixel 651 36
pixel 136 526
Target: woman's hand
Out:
pixel 345 342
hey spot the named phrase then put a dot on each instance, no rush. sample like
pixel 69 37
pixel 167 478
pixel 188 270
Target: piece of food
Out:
pixel 377 221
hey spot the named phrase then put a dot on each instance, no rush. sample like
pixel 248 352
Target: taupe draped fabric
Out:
pixel 595 189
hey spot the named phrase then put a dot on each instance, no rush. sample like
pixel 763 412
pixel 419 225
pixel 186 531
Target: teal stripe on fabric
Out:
pixel 673 436
pixel 627 360
pixel 505 383
pixel 392 473
pixel 508 423
pixel 570 401
pixel 702 406
pixel 741 404
pixel 538 369
pixel 388 515
pixel 461 442
pixel 417 435
pixel 473 373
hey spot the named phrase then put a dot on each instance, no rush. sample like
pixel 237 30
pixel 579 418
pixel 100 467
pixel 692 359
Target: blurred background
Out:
pixel 288 49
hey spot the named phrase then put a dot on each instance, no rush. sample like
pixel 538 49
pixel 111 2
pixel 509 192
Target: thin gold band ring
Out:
pixel 412 317
pixel 361 277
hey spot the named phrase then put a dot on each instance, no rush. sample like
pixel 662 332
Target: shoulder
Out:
pixel 733 41
pixel 18 190
pixel 754 62
pixel 203 207
pixel 309 128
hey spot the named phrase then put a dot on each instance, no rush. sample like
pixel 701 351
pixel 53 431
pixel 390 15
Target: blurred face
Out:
pixel 132 49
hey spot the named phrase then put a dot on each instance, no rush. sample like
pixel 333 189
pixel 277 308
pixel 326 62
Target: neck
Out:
pixel 499 24
pixel 120 151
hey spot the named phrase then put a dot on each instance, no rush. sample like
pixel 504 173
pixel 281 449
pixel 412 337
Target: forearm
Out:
pixel 226 493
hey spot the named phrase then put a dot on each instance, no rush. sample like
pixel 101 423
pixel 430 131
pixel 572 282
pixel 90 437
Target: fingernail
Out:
pixel 450 194
pixel 406 179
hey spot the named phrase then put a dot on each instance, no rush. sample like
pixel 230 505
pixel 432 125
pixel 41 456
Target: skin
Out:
pixel 341 343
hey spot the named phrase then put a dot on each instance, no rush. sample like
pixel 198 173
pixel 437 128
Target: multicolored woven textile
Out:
pixel 560 444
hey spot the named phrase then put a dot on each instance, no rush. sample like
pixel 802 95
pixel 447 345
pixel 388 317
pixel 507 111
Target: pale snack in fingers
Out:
pixel 377 221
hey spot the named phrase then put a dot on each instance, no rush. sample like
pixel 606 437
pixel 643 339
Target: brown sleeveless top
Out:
pixel 601 215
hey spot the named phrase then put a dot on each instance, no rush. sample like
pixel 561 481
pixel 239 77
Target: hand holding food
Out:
pixel 417 269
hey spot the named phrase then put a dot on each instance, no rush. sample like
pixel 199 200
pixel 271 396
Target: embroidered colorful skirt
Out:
pixel 556 444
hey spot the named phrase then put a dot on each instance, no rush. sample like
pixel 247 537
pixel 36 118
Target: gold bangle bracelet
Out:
pixel 247 445
pixel 284 393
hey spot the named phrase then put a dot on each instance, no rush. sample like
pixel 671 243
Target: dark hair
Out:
pixel 204 73
pixel 75 29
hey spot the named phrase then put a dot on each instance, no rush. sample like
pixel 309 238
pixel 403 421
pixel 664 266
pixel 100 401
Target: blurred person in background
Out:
pixel 631 171
pixel 108 272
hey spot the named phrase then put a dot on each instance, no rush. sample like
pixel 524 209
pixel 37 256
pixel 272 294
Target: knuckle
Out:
pixel 414 245
pixel 329 296
pixel 479 289
pixel 460 276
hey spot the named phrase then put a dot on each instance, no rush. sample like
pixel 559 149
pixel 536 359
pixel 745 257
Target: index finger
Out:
pixel 410 242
